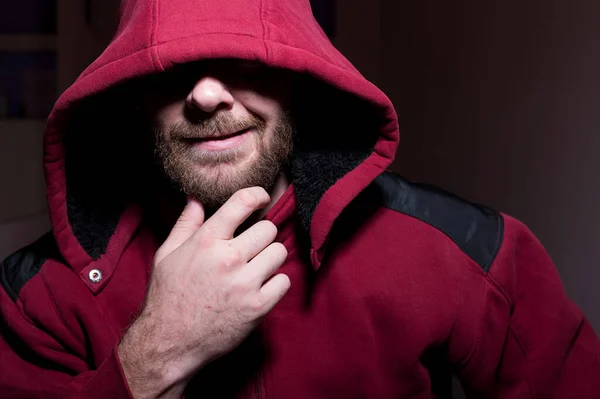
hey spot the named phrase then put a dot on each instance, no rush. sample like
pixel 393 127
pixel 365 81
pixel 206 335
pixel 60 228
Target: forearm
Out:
pixel 150 363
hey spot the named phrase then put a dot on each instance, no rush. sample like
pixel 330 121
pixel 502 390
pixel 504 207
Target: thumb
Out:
pixel 187 224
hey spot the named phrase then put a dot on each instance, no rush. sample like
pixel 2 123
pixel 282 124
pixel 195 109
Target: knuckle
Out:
pixel 259 191
pixel 281 287
pixel 258 305
pixel 280 250
pixel 231 258
pixel 159 256
pixel 286 283
pixel 268 227
pixel 247 198
pixel 204 241
pixel 239 285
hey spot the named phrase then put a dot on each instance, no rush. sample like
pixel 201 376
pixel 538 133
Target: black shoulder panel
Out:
pixel 23 265
pixel 477 230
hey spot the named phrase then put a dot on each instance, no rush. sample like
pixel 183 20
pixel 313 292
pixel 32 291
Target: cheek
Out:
pixel 268 108
pixel 163 115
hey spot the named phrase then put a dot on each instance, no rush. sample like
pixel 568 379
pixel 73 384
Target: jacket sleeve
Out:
pixel 38 362
pixel 525 338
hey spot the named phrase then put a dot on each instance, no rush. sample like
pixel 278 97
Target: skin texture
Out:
pixel 210 288
pixel 193 109
pixel 207 293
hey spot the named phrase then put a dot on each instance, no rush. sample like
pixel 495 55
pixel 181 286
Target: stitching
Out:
pixel 9 290
pixel 482 266
pixel 514 334
pixel 153 24
pixel 156 45
pixel 264 26
pixel 499 242
pixel 499 288
pixel 154 35
pixel 224 32
pixel 25 319
pixel 478 267
pixel 217 33
pixel 389 128
pixel 57 313
pixel 495 284
pixel 473 349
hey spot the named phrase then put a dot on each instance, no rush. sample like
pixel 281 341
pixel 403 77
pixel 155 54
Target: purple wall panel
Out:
pixel 27 84
pixel 27 16
pixel 324 12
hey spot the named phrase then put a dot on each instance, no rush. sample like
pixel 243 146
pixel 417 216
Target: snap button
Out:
pixel 95 276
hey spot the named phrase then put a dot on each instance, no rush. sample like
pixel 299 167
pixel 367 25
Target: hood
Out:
pixel 349 138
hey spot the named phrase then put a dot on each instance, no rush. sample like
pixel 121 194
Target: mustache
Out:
pixel 220 124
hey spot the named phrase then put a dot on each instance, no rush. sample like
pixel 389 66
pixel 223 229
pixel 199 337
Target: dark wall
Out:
pixel 500 102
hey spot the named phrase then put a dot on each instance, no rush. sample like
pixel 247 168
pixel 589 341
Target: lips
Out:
pixel 223 136
pixel 223 142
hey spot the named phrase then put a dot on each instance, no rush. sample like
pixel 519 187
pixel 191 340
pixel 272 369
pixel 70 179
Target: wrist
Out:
pixel 148 365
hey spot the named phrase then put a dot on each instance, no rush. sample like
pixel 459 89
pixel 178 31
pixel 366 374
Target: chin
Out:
pixel 223 171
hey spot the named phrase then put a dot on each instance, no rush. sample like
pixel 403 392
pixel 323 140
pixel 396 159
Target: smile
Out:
pixel 225 142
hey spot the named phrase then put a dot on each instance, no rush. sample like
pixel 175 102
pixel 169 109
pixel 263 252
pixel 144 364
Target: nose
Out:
pixel 209 94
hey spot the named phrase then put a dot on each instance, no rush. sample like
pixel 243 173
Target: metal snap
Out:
pixel 95 276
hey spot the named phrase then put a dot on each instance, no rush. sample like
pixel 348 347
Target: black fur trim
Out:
pixel 337 132
pixel 313 173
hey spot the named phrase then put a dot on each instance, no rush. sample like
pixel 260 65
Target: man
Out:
pixel 298 267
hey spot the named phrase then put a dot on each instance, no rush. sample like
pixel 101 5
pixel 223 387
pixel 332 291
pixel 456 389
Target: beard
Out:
pixel 212 177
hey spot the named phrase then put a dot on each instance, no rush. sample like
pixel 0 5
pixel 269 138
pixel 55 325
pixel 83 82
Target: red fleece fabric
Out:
pixel 366 317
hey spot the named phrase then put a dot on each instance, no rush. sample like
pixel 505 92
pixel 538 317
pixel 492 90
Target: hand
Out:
pixel 207 292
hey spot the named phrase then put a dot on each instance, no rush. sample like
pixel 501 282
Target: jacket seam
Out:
pixel 486 279
pixel 499 242
pixel 264 27
pixel 60 318
pixel 153 37
pixel 153 27
pixel 30 325
pixel 527 368
pixel 152 47
pixel 475 346
pixel 495 284
pixel 390 127
pixel 202 34
pixel 473 268
pixel 9 291
pixel 205 34
pixel 480 268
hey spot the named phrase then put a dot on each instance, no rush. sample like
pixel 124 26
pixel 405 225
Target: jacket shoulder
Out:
pixel 475 229
pixel 23 265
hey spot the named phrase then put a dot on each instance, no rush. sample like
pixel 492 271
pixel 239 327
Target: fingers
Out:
pixel 256 238
pixel 188 223
pixel 235 211
pixel 266 263
pixel 273 290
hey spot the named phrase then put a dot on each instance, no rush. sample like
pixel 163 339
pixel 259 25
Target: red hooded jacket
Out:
pixel 395 285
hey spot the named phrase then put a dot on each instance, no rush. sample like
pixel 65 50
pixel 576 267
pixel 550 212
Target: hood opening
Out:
pixel 106 154
pixel 336 132
pixel 109 154
pixel 109 163
pixel 348 128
